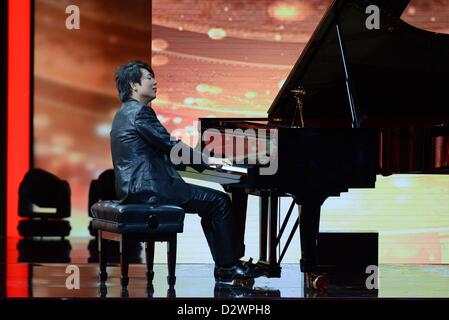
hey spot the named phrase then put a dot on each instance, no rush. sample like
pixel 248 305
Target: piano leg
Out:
pixel 263 226
pixel 239 206
pixel 272 228
pixel 309 228
pixel 268 235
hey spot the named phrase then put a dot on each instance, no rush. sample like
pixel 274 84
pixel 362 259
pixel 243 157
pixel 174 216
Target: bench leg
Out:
pixel 102 256
pixel 150 260
pixel 171 259
pixel 124 262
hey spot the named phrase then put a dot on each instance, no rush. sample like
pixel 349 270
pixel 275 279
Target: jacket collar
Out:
pixel 131 101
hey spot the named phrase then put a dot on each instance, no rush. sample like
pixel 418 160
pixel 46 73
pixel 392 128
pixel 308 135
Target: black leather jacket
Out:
pixel 140 148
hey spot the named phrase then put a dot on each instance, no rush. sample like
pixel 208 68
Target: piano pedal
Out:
pixel 316 281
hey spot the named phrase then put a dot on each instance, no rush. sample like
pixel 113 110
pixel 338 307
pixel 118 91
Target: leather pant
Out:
pixel 214 208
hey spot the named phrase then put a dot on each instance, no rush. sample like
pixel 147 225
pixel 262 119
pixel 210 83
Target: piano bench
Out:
pixel 137 223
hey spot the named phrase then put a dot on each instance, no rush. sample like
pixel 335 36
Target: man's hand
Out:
pixel 219 162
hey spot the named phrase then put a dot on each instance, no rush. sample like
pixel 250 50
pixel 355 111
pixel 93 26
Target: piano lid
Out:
pixel 398 72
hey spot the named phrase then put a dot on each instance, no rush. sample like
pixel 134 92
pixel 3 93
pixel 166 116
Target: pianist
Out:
pixel 141 147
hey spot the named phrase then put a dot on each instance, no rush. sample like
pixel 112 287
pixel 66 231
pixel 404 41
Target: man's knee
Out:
pixel 224 199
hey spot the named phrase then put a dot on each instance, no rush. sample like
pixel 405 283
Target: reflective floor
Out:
pixel 51 270
pixel 196 280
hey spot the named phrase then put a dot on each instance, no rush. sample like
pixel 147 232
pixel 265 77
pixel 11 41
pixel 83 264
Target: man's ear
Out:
pixel 133 86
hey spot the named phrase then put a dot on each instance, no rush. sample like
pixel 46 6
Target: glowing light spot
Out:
pixel 159 60
pixel 250 95
pixel 177 120
pixel 433 19
pixel 189 101
pixel 103 130
pixel 285 11
pixel 203 102
pixel 216 34
pixel 202 88
pixel 180 28
pixel 411 11
pixel 278 37
pixel 159 44
pixel 215 90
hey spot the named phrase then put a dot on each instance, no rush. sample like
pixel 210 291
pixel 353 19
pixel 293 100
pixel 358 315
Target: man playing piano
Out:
pixel 144 172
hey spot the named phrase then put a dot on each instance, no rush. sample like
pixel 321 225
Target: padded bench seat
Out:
pixel 137 222
pixel 137 218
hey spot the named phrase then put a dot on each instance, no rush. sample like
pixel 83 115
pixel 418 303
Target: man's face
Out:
pixel 148 85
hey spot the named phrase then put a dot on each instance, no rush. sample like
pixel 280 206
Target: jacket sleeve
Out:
pixel 153 132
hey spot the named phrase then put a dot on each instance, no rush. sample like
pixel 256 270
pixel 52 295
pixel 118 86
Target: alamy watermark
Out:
pixel 372 281
pixel 373 20
pixel 72 282
pixel 249 146
pixel 73 20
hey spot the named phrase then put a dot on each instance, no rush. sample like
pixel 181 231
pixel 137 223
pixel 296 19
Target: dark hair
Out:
pixel 127 73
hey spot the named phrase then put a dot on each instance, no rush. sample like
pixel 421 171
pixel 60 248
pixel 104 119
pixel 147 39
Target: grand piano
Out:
pixel 359 102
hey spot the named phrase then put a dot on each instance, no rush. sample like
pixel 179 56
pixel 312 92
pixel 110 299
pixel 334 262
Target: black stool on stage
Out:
pixel 137 222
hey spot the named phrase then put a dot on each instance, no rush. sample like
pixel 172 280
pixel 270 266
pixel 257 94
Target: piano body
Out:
pixel 357 103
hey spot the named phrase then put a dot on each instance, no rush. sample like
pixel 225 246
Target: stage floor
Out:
pixel 196 281
pixel 41 270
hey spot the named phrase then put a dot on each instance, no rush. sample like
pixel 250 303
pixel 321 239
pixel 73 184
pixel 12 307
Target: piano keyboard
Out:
pixel 222 175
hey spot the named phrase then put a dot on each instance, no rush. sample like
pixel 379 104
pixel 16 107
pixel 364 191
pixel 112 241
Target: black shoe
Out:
pixel 240 271
pixel 224 290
